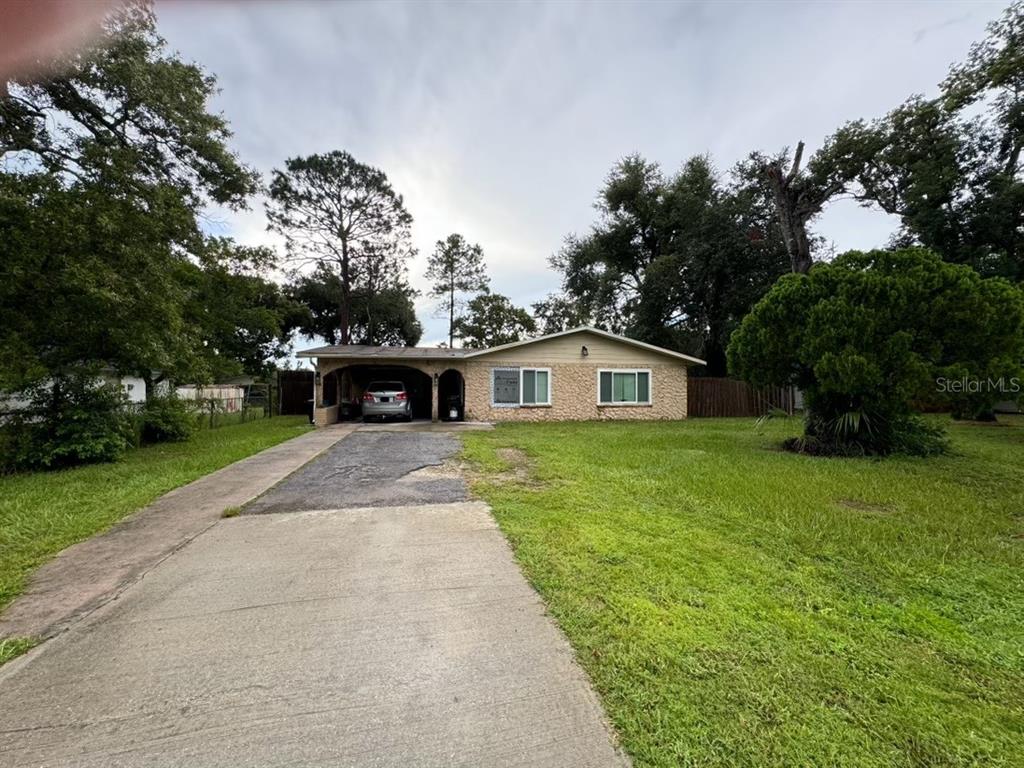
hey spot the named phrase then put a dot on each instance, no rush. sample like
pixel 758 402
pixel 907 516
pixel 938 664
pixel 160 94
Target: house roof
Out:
pixel 362 350
pixel 425 353
pixel 597 332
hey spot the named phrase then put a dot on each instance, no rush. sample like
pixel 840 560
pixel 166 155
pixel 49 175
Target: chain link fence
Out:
pixel 212 412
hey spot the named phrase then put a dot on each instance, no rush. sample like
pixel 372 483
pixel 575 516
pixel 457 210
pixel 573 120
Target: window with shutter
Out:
pixel 505 390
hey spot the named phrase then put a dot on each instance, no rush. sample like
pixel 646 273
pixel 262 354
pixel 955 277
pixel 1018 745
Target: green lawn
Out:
pixel 43 512
pixel 738 605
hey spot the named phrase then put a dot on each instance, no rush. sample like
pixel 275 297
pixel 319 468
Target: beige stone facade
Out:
pixel 574 393
pixel 573 360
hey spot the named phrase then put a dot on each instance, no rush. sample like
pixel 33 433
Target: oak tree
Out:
pixel 492 319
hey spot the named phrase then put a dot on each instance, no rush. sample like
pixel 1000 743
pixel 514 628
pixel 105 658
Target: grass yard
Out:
pixel 738 605
pixel 41 513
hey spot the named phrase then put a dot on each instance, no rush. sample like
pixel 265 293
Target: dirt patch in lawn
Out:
pixel 518 470
pixel 514 457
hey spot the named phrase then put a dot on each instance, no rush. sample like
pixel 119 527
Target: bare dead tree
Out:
pixel 799 197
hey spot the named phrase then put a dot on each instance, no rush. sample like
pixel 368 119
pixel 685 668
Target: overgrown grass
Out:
pixel 735 604
pixel 42 513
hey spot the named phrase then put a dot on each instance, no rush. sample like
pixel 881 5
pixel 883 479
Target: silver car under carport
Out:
pixel 386 399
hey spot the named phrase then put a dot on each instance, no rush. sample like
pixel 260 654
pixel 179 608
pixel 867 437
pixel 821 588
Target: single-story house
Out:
pixel 579 374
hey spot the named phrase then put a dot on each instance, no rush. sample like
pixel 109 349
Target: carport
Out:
pixel 353 380
pixel 433 377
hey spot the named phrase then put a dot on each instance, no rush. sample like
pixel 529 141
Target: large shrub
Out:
pixel 69 420
pixel 167 419
pixel 866 334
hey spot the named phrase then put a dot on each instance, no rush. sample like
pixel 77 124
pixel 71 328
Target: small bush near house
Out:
pixel 70 420
pixel 167 419
pixel 867 334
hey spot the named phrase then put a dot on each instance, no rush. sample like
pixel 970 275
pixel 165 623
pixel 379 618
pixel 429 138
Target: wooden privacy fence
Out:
pixel 707 396
pixel 294 393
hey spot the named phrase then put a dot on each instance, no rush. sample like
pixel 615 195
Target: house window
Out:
pixel 623 387
pixel 535 386
pixel 511 387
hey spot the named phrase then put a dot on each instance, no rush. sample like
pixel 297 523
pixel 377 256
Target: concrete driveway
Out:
pixel 348 621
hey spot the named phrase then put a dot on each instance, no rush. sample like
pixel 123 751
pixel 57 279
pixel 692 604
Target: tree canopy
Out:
pixel 343 218
pixel 386 317
pixel 108 160
pixel 109 157
pixel 124 111
pixel 949 167
pixel 674 261
pixel 245 318
pixel 492 319
pixel 559 312
pixel 455 268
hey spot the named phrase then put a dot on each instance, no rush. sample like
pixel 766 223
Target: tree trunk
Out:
pixel 371 326
pixel 346 295
pixel 152 382
pixel 799 247
pixel 451 314
pixel 714 355
pixel 794 230
pixel 791 211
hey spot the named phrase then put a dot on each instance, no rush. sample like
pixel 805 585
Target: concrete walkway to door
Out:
pixel 316 634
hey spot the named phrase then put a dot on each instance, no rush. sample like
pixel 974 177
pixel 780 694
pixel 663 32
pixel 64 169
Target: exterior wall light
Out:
pixel 584 351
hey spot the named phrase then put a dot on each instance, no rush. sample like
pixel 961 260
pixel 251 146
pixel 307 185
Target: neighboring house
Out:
pixel 231 395
pixel 579 374
pixel 134 388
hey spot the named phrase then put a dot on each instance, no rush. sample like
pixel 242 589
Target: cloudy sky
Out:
pixel 500 120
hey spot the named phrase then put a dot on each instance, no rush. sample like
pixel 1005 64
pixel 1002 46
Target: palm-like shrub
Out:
pixel 864 335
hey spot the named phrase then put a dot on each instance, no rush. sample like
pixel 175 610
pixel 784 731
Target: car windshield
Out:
pixel 386 386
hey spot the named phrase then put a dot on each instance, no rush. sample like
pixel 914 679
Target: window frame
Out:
pixel 519 372
pixel 536 403
pixel 627 403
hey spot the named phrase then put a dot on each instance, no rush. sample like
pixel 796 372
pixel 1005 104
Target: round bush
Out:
pixel 167 419
pixel 867 334
pixel 69 420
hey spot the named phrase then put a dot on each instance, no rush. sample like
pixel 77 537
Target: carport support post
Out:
pixel 317 396
pixel 433 397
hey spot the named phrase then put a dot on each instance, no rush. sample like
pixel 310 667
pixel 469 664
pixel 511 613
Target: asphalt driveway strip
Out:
pixel 370 469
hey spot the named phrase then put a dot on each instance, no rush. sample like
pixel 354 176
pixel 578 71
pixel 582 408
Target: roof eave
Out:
pixel 599 332
pixel 327 352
